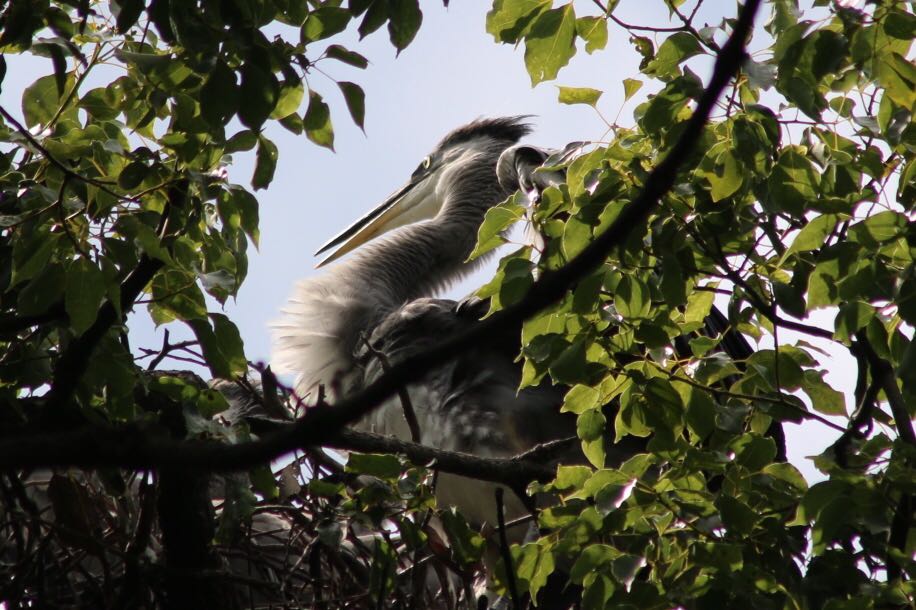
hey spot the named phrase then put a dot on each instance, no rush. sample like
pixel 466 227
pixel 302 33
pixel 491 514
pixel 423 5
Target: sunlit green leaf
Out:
pixel 317 122
pixel 579 95
pixel 550 43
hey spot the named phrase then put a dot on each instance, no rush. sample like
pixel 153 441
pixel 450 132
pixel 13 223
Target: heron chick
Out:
pixel 377 306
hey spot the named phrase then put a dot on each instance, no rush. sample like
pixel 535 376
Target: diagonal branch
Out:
pixel 325 422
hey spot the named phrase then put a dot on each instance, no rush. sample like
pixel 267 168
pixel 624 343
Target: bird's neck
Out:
pixel 419 260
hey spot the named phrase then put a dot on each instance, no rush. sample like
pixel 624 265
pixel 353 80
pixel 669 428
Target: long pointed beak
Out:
pixel 414 201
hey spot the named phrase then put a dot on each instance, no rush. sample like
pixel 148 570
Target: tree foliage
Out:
pixel 794 207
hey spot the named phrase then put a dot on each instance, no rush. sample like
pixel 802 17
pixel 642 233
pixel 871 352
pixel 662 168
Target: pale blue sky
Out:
pixel 452 73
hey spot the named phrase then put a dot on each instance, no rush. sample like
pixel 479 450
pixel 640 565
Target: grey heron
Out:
pixel 339 327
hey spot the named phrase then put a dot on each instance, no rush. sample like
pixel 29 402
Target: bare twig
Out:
pixel 406 406
pixel 504 551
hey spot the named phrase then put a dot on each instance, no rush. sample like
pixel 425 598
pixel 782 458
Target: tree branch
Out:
pixel 883 373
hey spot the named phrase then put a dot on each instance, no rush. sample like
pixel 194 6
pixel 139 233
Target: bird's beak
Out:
pixel 413 202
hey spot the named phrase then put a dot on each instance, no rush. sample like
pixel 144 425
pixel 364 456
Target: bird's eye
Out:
pixel 423 167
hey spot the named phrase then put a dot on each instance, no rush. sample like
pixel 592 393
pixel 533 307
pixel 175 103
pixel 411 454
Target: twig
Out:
pixel 504 551
pixel 406 406
pixel 629 26
pixel 883 373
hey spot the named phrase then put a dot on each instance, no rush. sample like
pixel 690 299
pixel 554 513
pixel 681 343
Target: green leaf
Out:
pixel 590 427
pixel 898 77
pixel 675 49
pixel 571 477
pixel 324 22
pixel 630 87
pixel 701 412
pixel 673 283
pixel 342 54
pixel 42 291
pixel 176 296
pixel 266 163
pixel 221 345
pixel 878 228
pixel 550 44
pixel 594 558
pixel 466 544
pixel 40 101
pixel 625 568
pixel 900 24
pixel 631 298
pixel 127 12
pixel 754 452
pixel 737 516
pixel 317 122
pixel 593 30
pixel 263 482
pixel 597 593
pixel 85 290
pixel 247 206
pixel 579 95
pixel 291 94
pixel 726 178
pixel 383 466
pixel 132 175
pixel 356 102
pixel 814 234
pixel 580 398
pixel 508 20
pixel 101 103
pixel 404 19
pixel 787 473
pixel 497 220
pixel 792 185
pixel 258 94
pixel 243 140
pixel 824 398
pixel 31 254
pixel 230 342
pixel 851 317
pixel 535 565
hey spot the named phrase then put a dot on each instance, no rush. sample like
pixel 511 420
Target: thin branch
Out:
pixel 883 373
pixel 631 27
pixel 406 405
pixel 504 550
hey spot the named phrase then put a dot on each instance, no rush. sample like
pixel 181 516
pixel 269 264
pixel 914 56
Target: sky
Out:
pixel 452 73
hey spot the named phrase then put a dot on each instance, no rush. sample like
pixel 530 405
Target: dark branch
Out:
pixel 76 358
pixel 883 373
pixel 504 550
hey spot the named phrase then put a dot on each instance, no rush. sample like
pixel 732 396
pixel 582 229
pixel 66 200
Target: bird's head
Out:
pixel 461 170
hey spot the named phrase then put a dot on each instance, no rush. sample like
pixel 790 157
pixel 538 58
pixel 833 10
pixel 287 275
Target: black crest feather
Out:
pixel 511 129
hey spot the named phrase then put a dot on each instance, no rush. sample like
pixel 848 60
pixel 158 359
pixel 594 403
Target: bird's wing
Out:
pixel 472 403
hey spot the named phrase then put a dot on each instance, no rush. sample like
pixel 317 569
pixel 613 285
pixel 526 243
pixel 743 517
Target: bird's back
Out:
pixel 472 403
